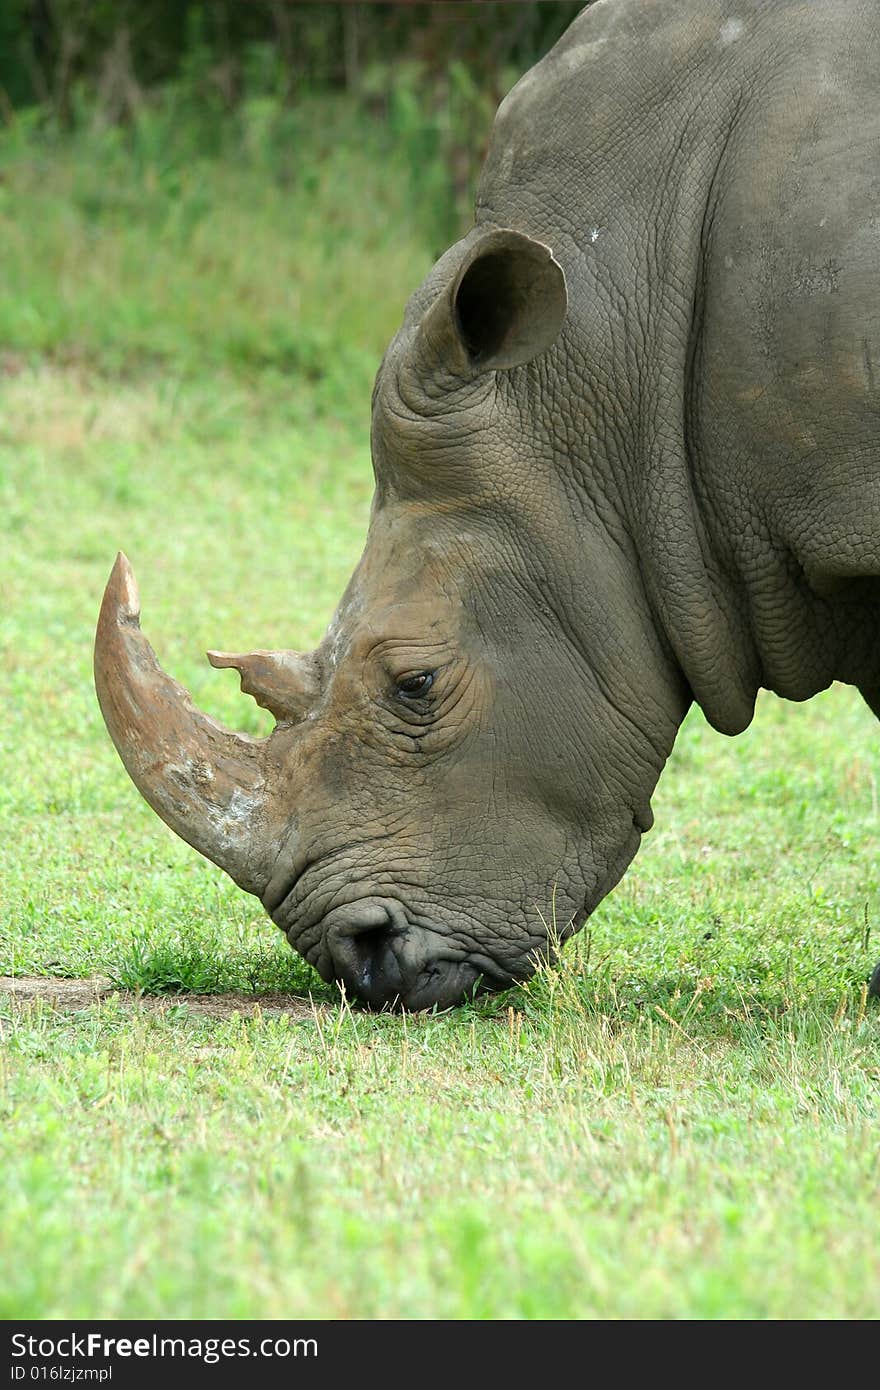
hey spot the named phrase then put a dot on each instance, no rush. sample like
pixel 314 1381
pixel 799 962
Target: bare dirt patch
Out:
pixel 82 994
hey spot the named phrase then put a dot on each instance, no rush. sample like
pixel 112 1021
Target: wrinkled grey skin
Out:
pixel 643 473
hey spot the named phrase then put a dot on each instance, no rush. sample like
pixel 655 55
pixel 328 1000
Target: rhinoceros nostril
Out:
pixel 360 948
pixel 356 956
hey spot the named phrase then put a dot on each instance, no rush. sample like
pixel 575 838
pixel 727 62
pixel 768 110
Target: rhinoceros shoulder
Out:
pixel 630 78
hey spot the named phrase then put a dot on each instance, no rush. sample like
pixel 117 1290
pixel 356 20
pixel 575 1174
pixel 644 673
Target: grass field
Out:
pixel 679 1121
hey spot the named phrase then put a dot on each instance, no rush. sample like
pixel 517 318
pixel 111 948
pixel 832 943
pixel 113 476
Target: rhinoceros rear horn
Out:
pixel 505 306
pixel 285 683
pixel 206 782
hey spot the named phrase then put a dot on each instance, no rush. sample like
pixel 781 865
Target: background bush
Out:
pixel 432 74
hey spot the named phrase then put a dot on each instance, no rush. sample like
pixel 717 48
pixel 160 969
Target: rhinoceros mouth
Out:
pixel 381 950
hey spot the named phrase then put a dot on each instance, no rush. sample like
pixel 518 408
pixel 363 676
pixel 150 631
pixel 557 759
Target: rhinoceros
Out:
pixel 627 456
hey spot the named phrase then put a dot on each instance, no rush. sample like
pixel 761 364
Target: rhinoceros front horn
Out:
pixel 206 782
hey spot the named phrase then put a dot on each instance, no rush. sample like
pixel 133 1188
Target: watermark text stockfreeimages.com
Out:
pixel 95 1345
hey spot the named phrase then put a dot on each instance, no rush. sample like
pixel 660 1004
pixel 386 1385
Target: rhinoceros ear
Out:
pixel 506 305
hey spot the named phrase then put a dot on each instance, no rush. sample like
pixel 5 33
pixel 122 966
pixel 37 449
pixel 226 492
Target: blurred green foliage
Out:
pixel 161 245
pixel 195 72
pixel 48 47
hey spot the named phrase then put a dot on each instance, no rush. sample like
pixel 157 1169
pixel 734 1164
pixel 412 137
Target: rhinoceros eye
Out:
pixel 412 687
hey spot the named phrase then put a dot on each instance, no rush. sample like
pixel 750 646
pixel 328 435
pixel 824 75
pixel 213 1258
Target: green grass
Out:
pixel 679 1121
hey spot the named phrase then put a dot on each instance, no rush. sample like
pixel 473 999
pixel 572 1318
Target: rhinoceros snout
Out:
pixel 385 961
